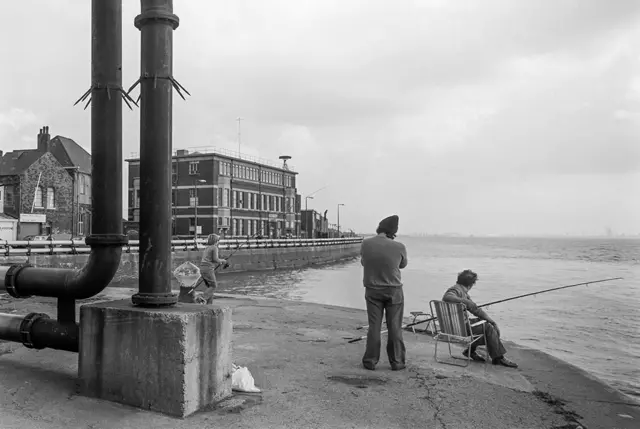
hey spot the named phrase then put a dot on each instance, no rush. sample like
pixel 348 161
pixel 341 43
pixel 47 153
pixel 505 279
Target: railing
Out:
pixel 206 150
pixel 61 247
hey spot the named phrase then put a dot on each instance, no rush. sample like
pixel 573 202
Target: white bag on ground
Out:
pixel 242 380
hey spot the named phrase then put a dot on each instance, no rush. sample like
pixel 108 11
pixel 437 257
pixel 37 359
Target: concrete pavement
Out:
pixel 311 378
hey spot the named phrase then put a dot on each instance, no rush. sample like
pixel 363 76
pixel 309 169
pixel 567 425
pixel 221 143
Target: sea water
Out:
pixel 595 327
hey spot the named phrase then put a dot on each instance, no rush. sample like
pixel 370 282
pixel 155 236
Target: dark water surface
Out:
pixel 594 327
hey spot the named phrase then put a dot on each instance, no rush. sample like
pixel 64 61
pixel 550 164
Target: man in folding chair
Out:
pixel 491 338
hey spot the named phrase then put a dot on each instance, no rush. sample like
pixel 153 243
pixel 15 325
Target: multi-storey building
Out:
pixel 219 191
pixel 37 192
pixel 47 189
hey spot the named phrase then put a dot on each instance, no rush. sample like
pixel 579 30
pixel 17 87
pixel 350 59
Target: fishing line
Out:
pixel 496 302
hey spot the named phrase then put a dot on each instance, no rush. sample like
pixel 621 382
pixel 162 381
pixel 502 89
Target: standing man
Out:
pixel 382 259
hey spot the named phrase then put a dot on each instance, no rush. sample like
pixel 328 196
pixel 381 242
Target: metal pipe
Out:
pixel 106 163
pixel 38 331
pixel 156 24
pixel 10 327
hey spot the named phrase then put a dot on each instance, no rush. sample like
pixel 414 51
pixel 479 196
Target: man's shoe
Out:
pixel 369 367
pixel 474 355
pixel 504 362
pixel 398 367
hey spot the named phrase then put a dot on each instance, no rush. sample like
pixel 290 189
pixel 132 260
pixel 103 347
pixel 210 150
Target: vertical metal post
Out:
pixel 156 24
pixel 195 207
pixel 106 118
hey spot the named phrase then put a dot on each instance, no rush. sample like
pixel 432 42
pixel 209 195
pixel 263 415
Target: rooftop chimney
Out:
pixel 182 152
pixel 44 139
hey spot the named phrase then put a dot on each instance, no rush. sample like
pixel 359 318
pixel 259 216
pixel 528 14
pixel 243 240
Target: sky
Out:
pixel 493 117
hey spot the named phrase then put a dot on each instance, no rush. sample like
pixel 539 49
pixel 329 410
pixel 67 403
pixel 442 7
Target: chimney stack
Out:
pixel 43 139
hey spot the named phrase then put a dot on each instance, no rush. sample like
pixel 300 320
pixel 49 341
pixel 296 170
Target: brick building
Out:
pixel 77 162
pixel 38 191
pixel 217 191
pixel 35 175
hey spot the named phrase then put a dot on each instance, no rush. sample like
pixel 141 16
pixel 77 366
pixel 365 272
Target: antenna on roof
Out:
pixel 284 158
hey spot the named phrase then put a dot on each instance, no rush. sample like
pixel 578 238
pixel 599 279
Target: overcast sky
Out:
pixel 476 117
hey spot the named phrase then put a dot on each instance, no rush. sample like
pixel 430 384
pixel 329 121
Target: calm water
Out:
pixel 595 327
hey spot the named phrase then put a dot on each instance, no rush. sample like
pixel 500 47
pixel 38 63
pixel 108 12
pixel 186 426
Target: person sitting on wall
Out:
pixel 210 261
pixel 459 293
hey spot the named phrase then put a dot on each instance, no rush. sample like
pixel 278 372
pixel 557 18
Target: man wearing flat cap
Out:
pixel 382 258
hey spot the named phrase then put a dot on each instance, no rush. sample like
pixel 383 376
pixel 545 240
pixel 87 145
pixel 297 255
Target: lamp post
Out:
pixel 339 218
pixel 306 202
pixel 195 205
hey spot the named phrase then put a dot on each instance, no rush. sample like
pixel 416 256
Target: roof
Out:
pixel 16 162
pixel 4 216
pixel 77 156
pixel 224 154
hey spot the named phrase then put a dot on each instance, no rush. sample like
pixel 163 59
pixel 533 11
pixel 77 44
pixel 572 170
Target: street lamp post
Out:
pixel 339 218
pixel 195 205
pixel 306 201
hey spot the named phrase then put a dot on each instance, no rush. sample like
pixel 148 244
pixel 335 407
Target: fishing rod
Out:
pixel 494 302
pixel 226 264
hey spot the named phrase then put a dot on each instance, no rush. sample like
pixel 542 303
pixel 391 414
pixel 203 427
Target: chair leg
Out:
pixel 435 355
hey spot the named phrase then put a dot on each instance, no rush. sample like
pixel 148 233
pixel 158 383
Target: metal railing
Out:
pixel 206 150
pixel 72 247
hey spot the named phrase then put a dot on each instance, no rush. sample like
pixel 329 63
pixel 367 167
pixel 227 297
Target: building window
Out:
pixel 234 202
pixel 37 202
pixel 137 198
pixel 225 203
pixel 193 167
pixel 51 198
pixel 81 227
pixel 82 184
pixel 8 196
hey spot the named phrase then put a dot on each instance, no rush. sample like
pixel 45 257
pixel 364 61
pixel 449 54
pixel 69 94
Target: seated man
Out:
pixel 460 294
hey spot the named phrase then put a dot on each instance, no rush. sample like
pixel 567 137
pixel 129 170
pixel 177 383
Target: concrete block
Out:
pixel 174 361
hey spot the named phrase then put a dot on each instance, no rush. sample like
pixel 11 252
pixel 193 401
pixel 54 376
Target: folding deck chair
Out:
pixel 454 326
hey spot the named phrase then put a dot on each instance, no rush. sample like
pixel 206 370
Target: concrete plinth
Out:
pixel 175 361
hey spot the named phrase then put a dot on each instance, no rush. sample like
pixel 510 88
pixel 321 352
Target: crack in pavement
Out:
pixel 423 382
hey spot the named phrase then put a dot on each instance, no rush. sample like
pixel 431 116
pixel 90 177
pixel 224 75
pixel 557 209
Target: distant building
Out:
pixel 47 189
pixel 38 192
pixel 314 224
pixel 217 191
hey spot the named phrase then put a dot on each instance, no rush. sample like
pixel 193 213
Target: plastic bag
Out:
pixel 187 274
pixel 242 380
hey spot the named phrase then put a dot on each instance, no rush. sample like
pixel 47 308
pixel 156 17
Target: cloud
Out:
pixel 461 115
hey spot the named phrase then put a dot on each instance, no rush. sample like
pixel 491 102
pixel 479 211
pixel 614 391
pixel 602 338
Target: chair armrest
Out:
pixel 479 323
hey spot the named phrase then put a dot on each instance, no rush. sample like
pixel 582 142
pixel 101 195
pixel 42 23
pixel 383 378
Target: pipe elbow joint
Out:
pixel 23 281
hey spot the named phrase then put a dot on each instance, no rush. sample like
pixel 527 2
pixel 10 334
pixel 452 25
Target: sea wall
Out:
pixel 242 259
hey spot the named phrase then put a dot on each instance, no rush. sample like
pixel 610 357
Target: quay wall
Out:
pixel 260 256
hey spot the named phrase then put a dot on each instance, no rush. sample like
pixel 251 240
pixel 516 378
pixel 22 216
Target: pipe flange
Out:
pixel 154 299
pixel 25 329
pixel 10 280
pixel 156 14
pixel 107 240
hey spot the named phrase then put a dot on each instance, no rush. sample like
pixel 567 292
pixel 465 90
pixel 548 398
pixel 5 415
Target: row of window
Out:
pixel 237 199
pixel 249 227
pixel 247 173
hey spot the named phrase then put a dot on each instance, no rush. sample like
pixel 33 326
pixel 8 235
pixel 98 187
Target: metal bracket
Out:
pixel 25 329
pixel 176 85
pixel 10 280
pixel 108 88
